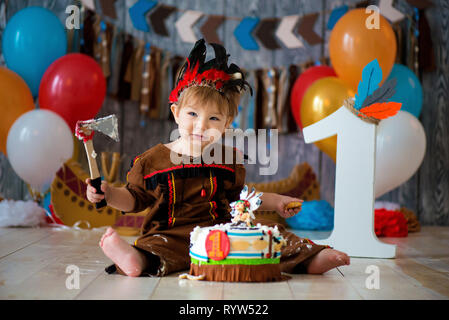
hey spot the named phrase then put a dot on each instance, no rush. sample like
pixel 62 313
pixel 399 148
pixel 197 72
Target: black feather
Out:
pixel 221 57
pixel 220 62
pixel 237 85
pixel 381 94
pixel 234 68
pixel 198 54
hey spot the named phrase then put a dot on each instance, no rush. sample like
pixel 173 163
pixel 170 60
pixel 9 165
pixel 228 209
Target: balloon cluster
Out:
pixel 321 90
pixel 69 87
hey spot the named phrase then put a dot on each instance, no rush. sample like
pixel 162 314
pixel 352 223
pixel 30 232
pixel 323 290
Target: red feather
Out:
pixel 381 110
pixel 192 76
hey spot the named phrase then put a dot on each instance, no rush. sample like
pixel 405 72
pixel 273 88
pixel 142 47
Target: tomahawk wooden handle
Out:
pixel 96 183
pixel 91 155
pixel 95 178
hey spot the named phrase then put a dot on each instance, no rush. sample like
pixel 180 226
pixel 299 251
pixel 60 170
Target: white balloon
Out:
pixel 401 145
pixel 38 143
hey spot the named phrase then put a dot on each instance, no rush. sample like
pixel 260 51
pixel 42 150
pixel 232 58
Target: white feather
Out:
pixel 244 192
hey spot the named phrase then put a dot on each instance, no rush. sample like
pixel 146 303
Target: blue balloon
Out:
pixel 33 38
pixel 408 89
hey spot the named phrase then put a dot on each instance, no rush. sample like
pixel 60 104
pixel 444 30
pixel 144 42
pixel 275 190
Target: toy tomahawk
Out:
pixel 85 131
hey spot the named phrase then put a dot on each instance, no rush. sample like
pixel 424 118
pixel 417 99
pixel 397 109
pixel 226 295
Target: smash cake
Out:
pixel 238 251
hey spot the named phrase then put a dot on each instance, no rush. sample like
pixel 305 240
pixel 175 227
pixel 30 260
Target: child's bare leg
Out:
pixel 326 260
pixel 129 259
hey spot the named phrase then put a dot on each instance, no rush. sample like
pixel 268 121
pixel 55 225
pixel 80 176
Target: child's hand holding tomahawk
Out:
pixel 85 131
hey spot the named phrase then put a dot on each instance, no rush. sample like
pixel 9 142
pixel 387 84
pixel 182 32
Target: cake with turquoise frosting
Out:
pixel 238 251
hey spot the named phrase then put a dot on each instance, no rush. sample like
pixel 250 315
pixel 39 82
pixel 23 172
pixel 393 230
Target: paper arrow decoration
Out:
pixel 90 4
pixel 108 8
pixel 158 17
pixel 185 24
pixel 305 29
pixel 285 32
pixel 389 12
pixel 336 14
pixel 420 4
pixel 243 33
pixel 209 28
pixel 265 33
pixel 138 12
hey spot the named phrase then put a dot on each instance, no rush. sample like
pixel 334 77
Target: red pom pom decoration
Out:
pixel 389 223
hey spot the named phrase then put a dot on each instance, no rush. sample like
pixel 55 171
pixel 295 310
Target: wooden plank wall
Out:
pixel 426 193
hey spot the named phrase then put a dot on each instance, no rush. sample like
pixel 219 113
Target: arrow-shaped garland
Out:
pixel 108 8
pixel 89 4
pixel 335 15
pixel 265 30
pixel 265 33
pixel 305 29
pixel 285 32
pixel 158 17
pixel 185 24
pixel 209 28
pixel 389 12
pixel 243 33
pixel 138 12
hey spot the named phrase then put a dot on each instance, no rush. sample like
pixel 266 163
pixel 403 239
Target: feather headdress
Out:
pixel 371 101
pixel 214 73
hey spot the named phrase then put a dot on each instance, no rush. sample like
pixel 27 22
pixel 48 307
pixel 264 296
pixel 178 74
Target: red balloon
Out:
pixel 74 87
pixel 303 83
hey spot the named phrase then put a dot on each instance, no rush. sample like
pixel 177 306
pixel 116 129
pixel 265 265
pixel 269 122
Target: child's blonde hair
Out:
pixel 227 102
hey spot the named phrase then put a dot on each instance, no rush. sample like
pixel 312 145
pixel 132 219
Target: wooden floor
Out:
pixel 33 265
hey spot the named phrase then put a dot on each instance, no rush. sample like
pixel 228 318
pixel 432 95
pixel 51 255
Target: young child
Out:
pixel 181 196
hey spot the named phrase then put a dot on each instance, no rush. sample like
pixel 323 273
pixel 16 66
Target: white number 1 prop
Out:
pixel 354 184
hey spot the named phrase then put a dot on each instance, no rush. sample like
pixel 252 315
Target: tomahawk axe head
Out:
pixel 107 125
pixel 84 131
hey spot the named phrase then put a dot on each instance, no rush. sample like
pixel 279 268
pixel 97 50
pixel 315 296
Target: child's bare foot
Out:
pixel 326 260
pixel 131 261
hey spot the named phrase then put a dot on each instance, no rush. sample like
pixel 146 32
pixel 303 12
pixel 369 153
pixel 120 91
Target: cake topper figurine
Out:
pixel 242 210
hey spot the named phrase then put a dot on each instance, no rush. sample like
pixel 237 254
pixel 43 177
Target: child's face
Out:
pixel 200 124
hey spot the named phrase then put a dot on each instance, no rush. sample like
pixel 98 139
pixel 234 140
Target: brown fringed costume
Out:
pixel 173 192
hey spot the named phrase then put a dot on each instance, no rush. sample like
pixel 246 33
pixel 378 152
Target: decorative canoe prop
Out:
pixel 70 205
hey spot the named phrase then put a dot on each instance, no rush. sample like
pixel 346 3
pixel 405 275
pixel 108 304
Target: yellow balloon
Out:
pixel 15 100
pixel 357 39
pixel 324 97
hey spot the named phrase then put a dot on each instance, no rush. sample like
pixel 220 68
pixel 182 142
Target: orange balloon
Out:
pixel 352 45
pixel 324 97
pixel 15 100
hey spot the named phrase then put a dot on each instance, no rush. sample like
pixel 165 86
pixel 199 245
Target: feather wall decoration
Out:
pixel 372 101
